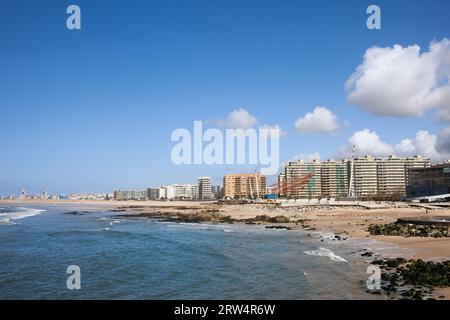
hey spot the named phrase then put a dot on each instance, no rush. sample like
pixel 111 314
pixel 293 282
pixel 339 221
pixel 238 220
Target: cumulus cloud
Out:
pixel 239 119
pixel 423 144
pixel 242 119
pixel 367 142
pixel 321 120
pixel 403 81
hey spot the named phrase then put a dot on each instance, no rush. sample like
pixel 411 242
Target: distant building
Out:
pixel 384 177
pixel 122 195
pixel 153 193
pixel 251 185
pixel 178 191
pixel 372 177
pixel 204 188
pixel 291 184
pixel 429 182
pixel 334 178
pixel 216 192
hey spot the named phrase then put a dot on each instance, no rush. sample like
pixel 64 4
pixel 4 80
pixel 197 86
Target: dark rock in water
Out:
pixel 366 254
pixel 75 213
pixel 278 227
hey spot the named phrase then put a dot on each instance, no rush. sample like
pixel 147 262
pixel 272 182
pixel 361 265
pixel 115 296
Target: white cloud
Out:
pixel 308 157
pixel 425 144
pixel 367 143
pixel 402 81
pixel 242 119
pixel 239 119
pixel 321 120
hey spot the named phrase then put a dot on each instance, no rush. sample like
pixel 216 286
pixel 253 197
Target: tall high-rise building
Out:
pixel 334 177
pixel 251 185
pixel 291 183
pixel 204 188
pixel 371 177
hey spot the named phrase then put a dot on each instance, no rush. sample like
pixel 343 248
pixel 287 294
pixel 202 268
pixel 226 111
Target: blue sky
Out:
pixel 93 110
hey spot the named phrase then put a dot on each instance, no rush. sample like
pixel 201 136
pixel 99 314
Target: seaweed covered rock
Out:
pixel 409 230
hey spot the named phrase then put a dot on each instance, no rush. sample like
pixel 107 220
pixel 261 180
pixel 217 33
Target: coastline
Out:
pixel 349 221
pixel 345 222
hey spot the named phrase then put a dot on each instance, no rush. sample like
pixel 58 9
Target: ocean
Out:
pixel 147 259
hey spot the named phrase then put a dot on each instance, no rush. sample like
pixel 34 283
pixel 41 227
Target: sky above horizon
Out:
pixel 92 110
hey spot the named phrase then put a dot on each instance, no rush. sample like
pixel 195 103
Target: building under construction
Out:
pixel 364 177
pixel 314 179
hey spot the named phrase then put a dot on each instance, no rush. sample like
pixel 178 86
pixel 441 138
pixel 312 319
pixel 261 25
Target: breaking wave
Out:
pixel 323 252
pixel 17 214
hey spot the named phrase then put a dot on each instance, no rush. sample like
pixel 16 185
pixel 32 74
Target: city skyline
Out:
pixel 100 105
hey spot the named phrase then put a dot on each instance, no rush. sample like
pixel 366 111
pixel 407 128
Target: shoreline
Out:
pixel 345 223
pixel 352 222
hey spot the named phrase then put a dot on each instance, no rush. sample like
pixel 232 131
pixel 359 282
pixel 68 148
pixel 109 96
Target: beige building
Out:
pixel 301 179
pixel 384 176
pixel 331 179
pixel 334 176
pixel 252 185
pixel 365 181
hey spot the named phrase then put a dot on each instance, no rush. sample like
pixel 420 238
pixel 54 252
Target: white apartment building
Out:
pixel 178 191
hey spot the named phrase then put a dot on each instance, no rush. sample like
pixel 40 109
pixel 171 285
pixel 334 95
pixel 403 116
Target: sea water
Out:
pixel 147 259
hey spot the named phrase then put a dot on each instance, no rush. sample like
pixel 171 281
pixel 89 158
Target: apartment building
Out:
pixel 153 193
pixel 393 173
pixel 334 178
pixel 252 185
pixel 301 179
pixel 204 188
pixel 122 195
pixel 372 177
pixel 178 191
pixel 365 179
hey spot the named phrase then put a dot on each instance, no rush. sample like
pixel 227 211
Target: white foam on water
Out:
pixel 8 217
pixel 323 252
